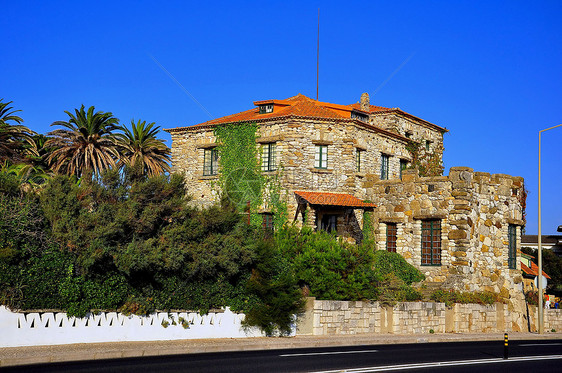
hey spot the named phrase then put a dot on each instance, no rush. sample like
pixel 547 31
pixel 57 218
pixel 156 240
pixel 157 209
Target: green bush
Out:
pixel 277 297
pixel 386 263
pixel 449 297
pixel 329 267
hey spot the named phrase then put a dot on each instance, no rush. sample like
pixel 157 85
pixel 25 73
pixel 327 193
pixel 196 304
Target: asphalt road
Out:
pixel 545 356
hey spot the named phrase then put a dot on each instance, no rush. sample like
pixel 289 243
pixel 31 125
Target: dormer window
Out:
pixel 265 109
pixel 360 116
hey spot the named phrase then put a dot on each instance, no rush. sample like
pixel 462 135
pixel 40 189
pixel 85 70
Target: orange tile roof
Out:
pixel 373 108
pixel 301 106
pixel 533 271
pixel 334 199
pixel 298 105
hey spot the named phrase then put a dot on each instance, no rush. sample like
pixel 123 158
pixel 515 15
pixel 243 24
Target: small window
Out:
pixel 409 134
pixel 391 231
pixel 329 223
pixel 268 157
pixel 384 166
pixel 210 162
pixel 403 166
pixel 427 145
pixel 512 248
pixel 265 109
pixel 358 159
pixel 431 242
pixel 360 116
pixel 321 156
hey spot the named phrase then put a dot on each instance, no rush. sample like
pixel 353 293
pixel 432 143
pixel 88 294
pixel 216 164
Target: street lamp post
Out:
pixel 541 309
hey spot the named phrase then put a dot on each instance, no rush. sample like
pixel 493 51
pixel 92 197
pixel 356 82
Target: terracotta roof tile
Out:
pixel 535 268
pixel 533 271
pixel 373 108
pixel 333 199
pixel 296 106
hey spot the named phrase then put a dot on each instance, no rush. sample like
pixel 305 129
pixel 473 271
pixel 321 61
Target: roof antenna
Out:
pixel 318 54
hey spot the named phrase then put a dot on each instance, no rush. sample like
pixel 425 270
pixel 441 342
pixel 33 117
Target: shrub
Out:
pixel 277 297
pixel 386 263
pixel 449 297
pixel 329 267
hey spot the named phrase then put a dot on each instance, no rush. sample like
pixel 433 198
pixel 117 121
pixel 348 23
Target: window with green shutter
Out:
pixel 358 159
pixel 512 247
pixel 384 166
pixel 210 162
pixel 268 157
pixel 403 166
pixel 321 156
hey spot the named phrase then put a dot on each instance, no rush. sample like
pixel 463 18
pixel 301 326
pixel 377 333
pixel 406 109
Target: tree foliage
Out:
pixel 141 149
pixel 330 268
pixel 85 143
pixel 15 138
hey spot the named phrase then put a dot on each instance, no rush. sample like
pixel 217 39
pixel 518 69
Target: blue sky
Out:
pixel 488 71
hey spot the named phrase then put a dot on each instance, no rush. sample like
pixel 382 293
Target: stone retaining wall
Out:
pixel 324 317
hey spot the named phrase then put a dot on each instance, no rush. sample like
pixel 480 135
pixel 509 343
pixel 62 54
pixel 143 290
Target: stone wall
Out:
pixel 296 140
pixel 295 144
pixel 475 210
pixel 323 317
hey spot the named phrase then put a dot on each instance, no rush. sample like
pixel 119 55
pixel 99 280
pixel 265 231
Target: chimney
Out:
pixel 365 104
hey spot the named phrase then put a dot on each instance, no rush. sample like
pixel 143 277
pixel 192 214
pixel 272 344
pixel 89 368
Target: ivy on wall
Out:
pixel 241 180
pixel 427 163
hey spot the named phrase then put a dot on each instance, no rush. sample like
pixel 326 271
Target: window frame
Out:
pixel 210 161
pixel 358 159
pixel 431 245
pixel 268 163
pixel 266 109
pixel 385 163
pixel 403 166
pixel 328 223
pixel 268 224
pixel 391 237
pixel 512 246
pixel 319 162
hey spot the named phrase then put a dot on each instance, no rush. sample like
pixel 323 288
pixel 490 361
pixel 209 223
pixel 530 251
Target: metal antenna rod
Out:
pixel 318 55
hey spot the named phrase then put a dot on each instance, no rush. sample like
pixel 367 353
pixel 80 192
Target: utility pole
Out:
pixel 540 284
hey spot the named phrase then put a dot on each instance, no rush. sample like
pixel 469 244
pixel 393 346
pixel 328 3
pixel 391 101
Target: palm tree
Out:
pixel 13 137
pixel 86 143
pixel 28 176
pixel 141 149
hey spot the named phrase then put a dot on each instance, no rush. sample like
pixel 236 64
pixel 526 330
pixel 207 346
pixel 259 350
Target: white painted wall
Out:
pixel 48 328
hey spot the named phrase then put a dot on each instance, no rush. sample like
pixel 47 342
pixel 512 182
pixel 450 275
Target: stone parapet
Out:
pixel 325 317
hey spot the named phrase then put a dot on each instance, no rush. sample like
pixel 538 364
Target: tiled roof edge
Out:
pixel 408 115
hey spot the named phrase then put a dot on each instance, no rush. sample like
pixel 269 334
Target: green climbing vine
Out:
pixel 427 163
pixel 241 180
pixel 368 232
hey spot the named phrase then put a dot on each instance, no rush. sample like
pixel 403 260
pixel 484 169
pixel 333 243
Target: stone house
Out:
pixel 340 163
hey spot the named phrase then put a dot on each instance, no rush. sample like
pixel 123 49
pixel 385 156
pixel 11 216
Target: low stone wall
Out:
pixel 323 317
pixel 50 328
pixel 552 319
